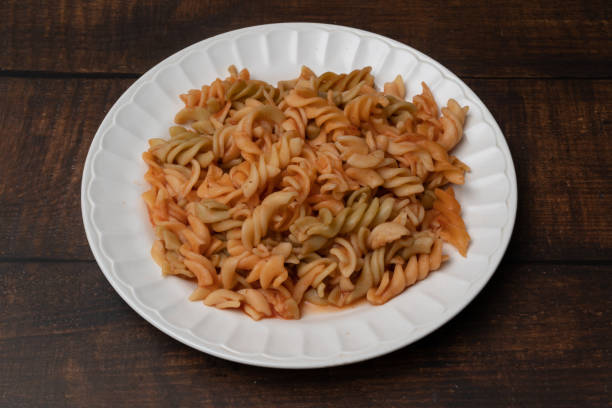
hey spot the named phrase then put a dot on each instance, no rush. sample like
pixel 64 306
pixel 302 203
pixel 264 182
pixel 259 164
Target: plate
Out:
pixel 120 235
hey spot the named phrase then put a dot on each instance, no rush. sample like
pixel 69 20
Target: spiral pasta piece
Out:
pixel 400 112
pixel 270 272
pixel 271 162
pixel 346 256
pixel 342 82
pixel 255 227
pixel 360 108
pixel 255 304
pixel 452 226
pixel 360 214
pixel 312 274
pixel 243 89
pixel 453 119
pixel 401 181
pixel 427 108
pixel 296 120
pixel 183 146
pixel 282 302
pixel 328 117
pixel 395 88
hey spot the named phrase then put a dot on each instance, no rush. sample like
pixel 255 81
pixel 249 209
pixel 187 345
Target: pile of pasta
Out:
pixel 321 189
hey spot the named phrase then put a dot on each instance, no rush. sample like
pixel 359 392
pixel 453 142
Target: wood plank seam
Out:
pixel 127 75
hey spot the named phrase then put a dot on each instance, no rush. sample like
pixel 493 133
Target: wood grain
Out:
pixel 510 39
pixel 559 134
pixel 537 336
pixel 533 337
pixel 47 127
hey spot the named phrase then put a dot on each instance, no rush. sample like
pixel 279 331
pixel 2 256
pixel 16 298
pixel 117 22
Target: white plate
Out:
pixel 120 236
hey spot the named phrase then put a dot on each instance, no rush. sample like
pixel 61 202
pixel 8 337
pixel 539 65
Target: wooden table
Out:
pixel 539 334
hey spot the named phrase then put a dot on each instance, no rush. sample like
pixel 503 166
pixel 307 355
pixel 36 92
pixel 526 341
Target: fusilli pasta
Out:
pixel 321 189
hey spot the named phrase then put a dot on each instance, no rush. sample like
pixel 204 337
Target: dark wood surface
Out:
pixel 539 333
pixel 511 39
pixel 519 343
